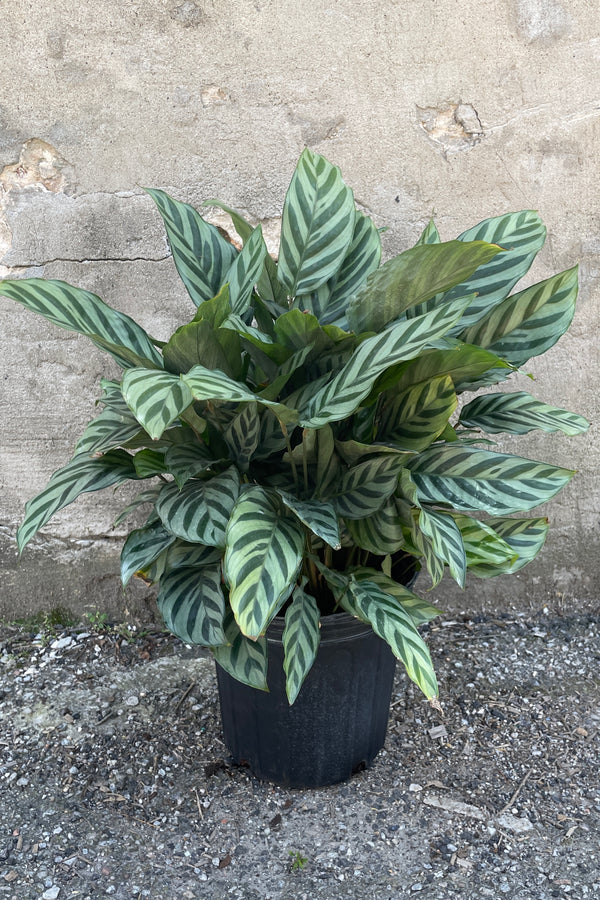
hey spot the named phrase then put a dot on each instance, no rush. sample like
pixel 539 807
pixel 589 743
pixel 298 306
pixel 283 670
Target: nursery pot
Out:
pixel 338 722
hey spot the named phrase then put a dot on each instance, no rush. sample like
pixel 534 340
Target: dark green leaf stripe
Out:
pixel 413 277
pixel 446 542
pixel 77 310
pixel 192 605
pixel 262 556
pixel 242 658
pixel 519 413
pixel 199 512
pixel 414 417
pixel 142 547
pixel 301 637
pixel 111 429
pixel 344 392
pixel 201 255
pixel 522 235
pixel 530 322
pixel 473 479
pixel 317 225
pixel 155 398
pixel 364 488
pixel 81 475
pixel 419 610
pixel 318 515
pixel 395 626
pixel 245 271
pixel 380 533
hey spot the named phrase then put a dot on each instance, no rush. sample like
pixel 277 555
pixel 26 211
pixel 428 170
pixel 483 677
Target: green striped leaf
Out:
pixel 414 417
pixel 268 286
pixel 485 550
pixel 184 461
pixel 519 413
pixel 468 479
pixel 419 610
pixel 192 605
pixel 317 225
pixel 242 658
pixel 201 255
pixel 522 235
pixel 414 277
pixel 380 533
pixel 184 554
pixel 155 398
pixel 199 512
pixel 207 384
pixel 364 488
pixel 353 452
pixel 262 556
pixel 446 542
pixel 110 429
pixel 342 395
pixel 80 475
pixel 245 271
pixel 430 235
pixel 242 435
pixel 142 547
pixel 77 310
pixel 149 462
pixel 329 303
pixel 148 496
pixel 318 515
pixel 196 344
pixel 525 537
pixel 530 322
pixel 215 310
pixel 394 625
pixel 301 637
pixel 464 363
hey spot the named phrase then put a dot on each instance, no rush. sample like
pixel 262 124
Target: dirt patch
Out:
pixel 114 779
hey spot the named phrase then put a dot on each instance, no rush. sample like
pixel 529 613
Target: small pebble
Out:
pixel 415 788
pixel 52 893
pixel 61 643
pixel 416 887
pixel 132 700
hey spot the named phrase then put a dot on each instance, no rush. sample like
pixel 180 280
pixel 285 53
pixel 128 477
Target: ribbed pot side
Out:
pixel 339 720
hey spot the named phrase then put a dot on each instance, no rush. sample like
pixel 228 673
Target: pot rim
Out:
pixel 336 627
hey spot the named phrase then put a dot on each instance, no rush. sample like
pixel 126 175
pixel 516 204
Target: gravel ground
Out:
pixel 114 779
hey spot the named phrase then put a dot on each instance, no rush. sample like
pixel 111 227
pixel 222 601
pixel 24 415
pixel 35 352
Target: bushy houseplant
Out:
pixel 299 441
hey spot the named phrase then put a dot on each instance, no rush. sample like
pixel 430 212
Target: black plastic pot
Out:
pixel 339 720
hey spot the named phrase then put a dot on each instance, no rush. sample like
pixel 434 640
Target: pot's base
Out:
pixel 338 723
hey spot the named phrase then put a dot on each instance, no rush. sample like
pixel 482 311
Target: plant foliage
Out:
pixel 300 433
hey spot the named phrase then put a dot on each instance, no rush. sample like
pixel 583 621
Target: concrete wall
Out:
pixel 455 108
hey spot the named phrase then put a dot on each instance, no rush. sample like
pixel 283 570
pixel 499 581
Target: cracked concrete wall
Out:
pixel 455 109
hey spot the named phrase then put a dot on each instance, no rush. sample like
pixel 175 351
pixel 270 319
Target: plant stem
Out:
pixel 284 431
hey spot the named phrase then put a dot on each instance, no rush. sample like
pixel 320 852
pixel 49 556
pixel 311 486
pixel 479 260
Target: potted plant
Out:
pixel 301 453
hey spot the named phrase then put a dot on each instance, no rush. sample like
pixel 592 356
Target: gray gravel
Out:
pixel 114 779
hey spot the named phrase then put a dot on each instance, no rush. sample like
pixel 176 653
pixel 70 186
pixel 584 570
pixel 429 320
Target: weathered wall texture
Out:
pixel 456 108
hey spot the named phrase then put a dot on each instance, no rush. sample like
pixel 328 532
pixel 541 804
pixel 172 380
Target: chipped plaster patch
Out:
pixel 40 166
pixel 453 129
pixel 213 95
pixel 271 228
